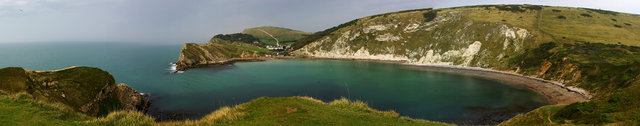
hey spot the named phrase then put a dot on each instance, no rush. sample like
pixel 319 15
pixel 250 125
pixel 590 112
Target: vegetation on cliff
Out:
pixel 610 71
pixel 217 51
pixel 284 35
pixel 237 37
pixel 86 90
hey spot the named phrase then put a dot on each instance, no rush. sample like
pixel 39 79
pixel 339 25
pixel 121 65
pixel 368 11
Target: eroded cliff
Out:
pixel 217 51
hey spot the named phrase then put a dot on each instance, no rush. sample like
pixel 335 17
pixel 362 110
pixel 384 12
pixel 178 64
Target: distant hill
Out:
pixel 284 35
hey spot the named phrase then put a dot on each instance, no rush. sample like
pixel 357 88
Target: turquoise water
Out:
pixel 384 86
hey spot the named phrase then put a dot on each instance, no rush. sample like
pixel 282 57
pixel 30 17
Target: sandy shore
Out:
pixel 555 92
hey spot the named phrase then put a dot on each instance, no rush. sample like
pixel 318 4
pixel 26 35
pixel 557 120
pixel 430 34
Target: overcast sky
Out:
pixel 180 21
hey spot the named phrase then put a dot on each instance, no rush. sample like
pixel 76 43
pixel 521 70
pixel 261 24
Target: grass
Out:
pixel 282 34
pixel 21 109
pixel 587 25
pixel 538 117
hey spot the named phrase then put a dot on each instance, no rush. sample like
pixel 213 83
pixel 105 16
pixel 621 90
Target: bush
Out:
pixel 237 37
pixel 561 17
pixel 429 16
pixel 585 15
pixel 583 113
pixel 512 8
pixel 518 8
pixel 554 10
pixel 618 26
pixel 602 11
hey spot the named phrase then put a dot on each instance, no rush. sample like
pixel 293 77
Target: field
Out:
pixel 283 35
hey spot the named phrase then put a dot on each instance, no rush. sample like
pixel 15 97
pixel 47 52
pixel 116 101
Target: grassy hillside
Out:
pixel 21 109
pixel 216 51
pixel 284 35
pixel 595 50
pixel 87 90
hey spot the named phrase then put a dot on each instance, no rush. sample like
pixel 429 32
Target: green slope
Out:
pixel 21 109
pixel 284 35
pixel 86 90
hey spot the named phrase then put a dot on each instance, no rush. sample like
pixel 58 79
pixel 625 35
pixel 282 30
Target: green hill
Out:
pixel 591 52
pixel 21 109
pixel 284 35
pixel 86 90
pixel 216 51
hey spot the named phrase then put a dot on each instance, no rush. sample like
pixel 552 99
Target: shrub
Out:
pixel 602 11
pixel 386 14
pixel 554 10
pixel 584 113
pixel 429 16
pixel 237 37
pixel 512 8
pixel 618 26
pixel 613 19
pixel 627 24
pixel 585 15
pixel 532 7
pixel 561 17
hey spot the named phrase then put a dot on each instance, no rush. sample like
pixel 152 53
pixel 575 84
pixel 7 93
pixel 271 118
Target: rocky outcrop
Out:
pixel 132 99
pixel 217 51
pixel 87 90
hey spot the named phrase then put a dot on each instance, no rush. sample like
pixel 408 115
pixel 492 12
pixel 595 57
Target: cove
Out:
pixel 430 95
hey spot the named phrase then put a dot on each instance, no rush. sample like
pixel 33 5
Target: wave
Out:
pixel 173 68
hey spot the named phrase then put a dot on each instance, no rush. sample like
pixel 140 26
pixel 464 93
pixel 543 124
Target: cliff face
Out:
pixel 450 38
pixel 87 90
pixel 217 51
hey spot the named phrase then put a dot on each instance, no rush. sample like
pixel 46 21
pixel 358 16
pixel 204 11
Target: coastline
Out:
pixel 554 92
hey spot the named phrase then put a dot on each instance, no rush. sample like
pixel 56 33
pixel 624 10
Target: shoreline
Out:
pixel 554 92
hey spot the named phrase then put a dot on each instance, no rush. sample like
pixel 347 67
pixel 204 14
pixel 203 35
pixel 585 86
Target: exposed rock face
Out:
pixel 87 90
pixel 132 99
pixel 217 51
pixel 449 39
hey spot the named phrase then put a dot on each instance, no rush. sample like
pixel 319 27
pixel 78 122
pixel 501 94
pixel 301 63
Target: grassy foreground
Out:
pixel 21 109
